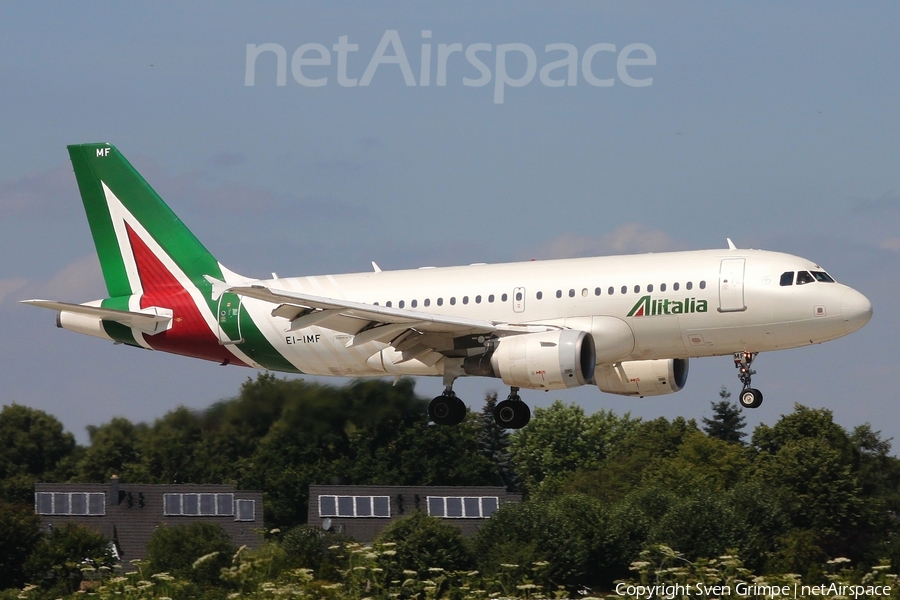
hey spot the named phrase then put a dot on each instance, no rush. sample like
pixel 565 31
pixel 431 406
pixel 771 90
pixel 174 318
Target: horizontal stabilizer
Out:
pixel 150 320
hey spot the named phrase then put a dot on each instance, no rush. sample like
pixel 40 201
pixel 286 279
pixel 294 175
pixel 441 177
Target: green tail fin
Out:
pixel 128 217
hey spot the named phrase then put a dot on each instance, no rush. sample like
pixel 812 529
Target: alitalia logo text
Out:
pixel 651 307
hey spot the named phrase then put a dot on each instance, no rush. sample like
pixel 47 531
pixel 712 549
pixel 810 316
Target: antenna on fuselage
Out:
pixel 731 245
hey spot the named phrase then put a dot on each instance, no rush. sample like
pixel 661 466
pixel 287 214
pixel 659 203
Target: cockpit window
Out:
pixel 804 277
pixel 787 278
pixel 822 276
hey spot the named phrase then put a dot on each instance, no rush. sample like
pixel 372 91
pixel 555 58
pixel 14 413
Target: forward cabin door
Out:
pixel 731 285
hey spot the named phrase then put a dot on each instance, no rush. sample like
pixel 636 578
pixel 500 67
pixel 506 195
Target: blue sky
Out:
pixel 775 124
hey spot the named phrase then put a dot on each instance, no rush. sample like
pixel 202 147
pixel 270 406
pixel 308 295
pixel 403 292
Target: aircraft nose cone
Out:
pixel 856 310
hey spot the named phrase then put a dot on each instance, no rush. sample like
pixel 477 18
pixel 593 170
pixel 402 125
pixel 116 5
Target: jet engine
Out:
pixel 550 360
pixel 642 377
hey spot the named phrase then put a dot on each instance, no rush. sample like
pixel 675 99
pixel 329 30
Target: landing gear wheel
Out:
pixel 512 413
pixel 447 409
pixel 751 398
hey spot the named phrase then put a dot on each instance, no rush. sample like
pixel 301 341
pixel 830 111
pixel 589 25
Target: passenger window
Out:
pixel 787 278
pixel 427 301
pixel 491 298
pixel 440 301
pixel 503 298
pixel 518 296
pixel 624 289
pixel 596 291
pixel 452 300
pixel 414 303
pixel 401 304
pixel 662 287
pixel 689 285
pixel 465 299
pixel 675 286
pixel 637 289
pixel 477 299
pixel 388 303
pixel 822 276
pixel 804 277
pixel 559 293
pixel 571 293
pixel 650 287
pixel 539 295
pixel 584 293
pixel 703 285
pixel 375 303
pixel 611 290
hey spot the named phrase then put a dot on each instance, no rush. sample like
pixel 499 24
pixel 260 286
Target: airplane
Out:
pixel 626 324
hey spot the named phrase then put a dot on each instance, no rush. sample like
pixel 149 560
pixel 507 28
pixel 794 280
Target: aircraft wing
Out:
pixel 413 333
pixel 319 308
pixel 151 320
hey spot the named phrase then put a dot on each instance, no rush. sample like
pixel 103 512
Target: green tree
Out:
pixel 700 462
pixel 643 444
pixel 561 439
pixel 494 444
pixel 567 532
pixel 20 534
pixel 58 561
pixel 33 446
pixel 114 450
pixel 178 549
pixel 727 421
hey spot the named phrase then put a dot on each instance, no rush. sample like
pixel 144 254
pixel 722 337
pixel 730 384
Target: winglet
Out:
pixel 731 245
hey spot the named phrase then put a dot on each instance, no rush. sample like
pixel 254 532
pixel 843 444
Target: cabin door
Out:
pixel 731 285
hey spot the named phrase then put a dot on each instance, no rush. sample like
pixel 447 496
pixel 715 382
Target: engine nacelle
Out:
pixel 550 360
pixel 643 377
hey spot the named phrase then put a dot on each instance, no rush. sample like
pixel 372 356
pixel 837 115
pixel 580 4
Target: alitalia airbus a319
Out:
pixel 627 324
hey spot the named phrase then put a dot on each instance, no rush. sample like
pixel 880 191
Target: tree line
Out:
pixel 599 489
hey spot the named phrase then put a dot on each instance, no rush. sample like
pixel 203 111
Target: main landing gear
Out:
pixel 447 409
pixel 750 397
pixel 511 413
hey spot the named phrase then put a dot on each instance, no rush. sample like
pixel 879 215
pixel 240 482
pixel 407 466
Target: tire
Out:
pixel 751 398
pixel 447 410
pixel 512 414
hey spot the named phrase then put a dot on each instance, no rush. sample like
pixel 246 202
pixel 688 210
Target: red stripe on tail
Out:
pixel 189 335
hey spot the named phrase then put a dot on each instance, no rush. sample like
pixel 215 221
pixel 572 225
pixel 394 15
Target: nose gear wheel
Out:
pixel 750 397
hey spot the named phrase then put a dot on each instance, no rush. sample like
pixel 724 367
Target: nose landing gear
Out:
pixel 750 397
pixel 512 413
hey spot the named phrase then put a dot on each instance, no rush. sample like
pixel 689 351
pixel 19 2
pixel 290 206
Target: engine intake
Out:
pixel 643 377
pixel 550 360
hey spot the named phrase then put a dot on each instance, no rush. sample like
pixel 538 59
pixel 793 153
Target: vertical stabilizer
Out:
pixel 142 245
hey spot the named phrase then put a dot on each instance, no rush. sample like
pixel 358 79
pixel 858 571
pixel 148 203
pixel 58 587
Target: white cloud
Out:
pixel 79 281
pixel 629 238
pixel 8 286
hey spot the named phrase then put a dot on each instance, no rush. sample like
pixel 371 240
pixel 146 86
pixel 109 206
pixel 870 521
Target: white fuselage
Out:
pixel 658 299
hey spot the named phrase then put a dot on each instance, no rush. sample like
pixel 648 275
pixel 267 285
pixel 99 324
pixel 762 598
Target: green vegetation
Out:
pixel 606 498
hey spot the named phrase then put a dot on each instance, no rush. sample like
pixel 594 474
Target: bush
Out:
pixel 422 543
pixel 178 549
pixel 58 560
